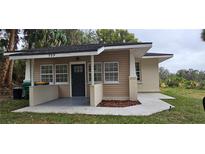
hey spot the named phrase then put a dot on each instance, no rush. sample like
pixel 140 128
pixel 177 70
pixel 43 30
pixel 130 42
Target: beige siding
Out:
pixel 121 89
pixel 109 90
pixel 64 90
pixel 149 75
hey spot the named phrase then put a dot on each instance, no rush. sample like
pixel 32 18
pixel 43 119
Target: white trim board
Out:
pixel 160 58
pixel 54 55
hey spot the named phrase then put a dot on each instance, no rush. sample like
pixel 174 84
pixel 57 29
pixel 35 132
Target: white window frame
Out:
pixel 140 70
pixel 112 82
pixel 89 82
pixel 47 74
pixel 61 73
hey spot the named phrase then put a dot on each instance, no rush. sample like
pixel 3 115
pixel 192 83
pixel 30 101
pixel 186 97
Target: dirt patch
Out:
pixel 118 103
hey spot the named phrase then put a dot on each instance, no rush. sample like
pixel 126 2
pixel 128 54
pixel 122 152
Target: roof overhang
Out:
pixel 160 58
pixel 52 55
pixel 143 47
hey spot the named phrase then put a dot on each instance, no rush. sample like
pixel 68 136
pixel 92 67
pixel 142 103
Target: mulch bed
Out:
pixel 118 103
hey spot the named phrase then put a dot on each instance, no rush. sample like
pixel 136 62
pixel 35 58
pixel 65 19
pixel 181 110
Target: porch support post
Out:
pixel 132 65
pixel 132 78
pixel 32 72
pixel 28 72
pixel 92 70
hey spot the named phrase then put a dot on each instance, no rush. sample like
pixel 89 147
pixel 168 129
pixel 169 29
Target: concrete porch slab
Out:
pixel 65 102
pixel 151 103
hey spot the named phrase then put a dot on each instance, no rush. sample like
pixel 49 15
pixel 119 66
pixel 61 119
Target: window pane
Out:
pixel 115 76
pixel 61 78
pixel 115 67
pixel 98 77
pixel 89 77
pixel 97 72
pixel 89 68
pixel 111 72
pixel 46 73
pixel 107 67
pixel 137 66
pixel 78 69
pixel 97 67
pixel 61 69
pixel 107 76
pixel 47 78
pixel 61 73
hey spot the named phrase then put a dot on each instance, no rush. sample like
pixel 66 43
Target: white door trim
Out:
pixel 74 63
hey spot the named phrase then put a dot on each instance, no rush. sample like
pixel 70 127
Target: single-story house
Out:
pixel 97 71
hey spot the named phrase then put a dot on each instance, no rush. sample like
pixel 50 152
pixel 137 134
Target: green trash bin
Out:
pixel 26 85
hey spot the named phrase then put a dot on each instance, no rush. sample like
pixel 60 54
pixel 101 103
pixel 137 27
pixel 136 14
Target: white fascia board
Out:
pixel 54 55
pixel 100 50
pixel 147 57
pixel 10 53
pixel 160 58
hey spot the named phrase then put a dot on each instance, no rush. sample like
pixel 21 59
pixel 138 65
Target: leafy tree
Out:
pixel 115 36
pixel 89 37
pixel 9 41
pixel 163 73
pixel 189 74
pixel 38 38
pixel 19 71
pixel 35 38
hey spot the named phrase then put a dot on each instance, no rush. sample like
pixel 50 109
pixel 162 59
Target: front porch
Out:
pixel 116 78
pixel 150 103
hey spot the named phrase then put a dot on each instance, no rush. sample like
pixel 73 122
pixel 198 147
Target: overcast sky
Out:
pixel 186 45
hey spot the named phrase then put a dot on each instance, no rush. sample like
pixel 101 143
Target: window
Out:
pixel 46 73
pixel 61 73
pixel 111 70
pixel 138 71
pixel 97 72
pixel 78 69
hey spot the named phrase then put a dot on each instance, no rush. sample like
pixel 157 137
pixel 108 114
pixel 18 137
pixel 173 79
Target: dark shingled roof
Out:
pixel 71 49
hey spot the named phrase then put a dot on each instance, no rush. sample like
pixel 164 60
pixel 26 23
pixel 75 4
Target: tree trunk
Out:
pixel 6 69
pixel 3 69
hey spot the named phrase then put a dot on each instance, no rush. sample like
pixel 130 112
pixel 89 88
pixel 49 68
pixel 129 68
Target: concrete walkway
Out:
pixel 151 104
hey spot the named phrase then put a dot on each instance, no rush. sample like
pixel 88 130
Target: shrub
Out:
pixel 189 84
pixel 163 85
pixel 201 85
pixel 175 81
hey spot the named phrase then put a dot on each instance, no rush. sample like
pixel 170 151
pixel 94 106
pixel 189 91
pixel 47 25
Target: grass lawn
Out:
pixel 188 109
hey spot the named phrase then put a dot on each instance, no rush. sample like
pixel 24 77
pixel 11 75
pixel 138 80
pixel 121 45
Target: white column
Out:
pixel 32 72
pixel 132 65
pixel 132 78
pixel 92 70
pixel 28 71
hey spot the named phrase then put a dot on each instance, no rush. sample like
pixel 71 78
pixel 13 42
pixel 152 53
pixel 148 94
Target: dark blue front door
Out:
pixel 78 79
